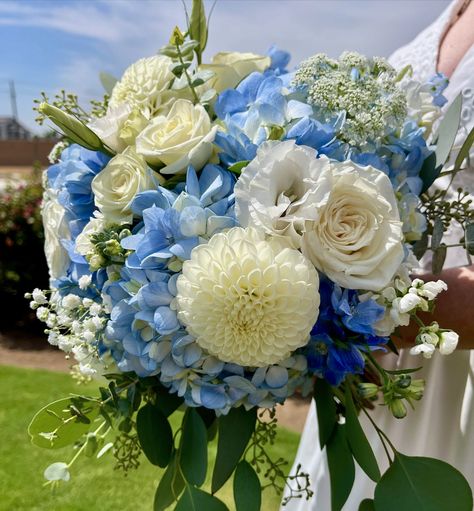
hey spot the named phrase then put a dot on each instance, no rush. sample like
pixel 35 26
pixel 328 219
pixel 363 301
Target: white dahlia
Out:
pixel 248 300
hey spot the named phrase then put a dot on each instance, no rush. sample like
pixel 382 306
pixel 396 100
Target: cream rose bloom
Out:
pixel 145 84
pixel 119 127
pixel 357 238
pixel 118 183
pixel 230 68
pixel 55 229
pixel 181 138
pixel 248 300
pixel 344 217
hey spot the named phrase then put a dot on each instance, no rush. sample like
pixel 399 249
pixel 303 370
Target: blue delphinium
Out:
pixel 344 330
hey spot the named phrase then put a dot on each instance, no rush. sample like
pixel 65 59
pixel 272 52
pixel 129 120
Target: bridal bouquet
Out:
pixel 224 235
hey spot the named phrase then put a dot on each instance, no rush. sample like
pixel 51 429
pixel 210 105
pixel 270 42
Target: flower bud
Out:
pixel 398 408
pixel 448 342
pixel 367 390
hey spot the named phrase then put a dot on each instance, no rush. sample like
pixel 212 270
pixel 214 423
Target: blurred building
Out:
pixel 12 129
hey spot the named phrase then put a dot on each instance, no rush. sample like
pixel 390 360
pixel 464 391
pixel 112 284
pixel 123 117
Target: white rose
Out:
pixel 183 137
pixel 357 238
pixel 55 229
pixel 119 182
pixel 119 127
pixel 344 216
pixel 448 342
pixel 145 85
pixel 230 68
pixel 275 192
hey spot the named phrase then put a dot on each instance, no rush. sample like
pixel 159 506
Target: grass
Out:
pixel 94 484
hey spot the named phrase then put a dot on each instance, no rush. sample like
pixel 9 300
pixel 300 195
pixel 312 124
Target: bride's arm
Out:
pixel 454 308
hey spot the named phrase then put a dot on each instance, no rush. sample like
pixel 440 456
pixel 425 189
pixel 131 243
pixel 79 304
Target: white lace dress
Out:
pixel 442 426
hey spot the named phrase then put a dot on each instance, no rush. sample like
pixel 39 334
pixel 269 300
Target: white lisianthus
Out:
pixel 119 127
pixel 275 192
pixel 247 300
pixel 183 137
pixel 55 229
pixel 230 68
pixel 145 85
pixel 448 342
pixel 344 216
pixel 118 183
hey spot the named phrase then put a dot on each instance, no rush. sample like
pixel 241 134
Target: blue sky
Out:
pixel 52 44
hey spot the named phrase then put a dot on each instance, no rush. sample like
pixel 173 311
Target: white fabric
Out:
pixel 442 425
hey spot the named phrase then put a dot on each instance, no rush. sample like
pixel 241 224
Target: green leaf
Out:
pixel 235 431
pixel 358 442
pixel 237 167
pixel 469 238
pixel 193 449
pixel 170 487
pixel 63 422
pixel 439 256
pixel 341 467
pixel 465 149
pixel 367 505
pixel 444 139
pixel 108 82
pixel 168 403
pixel 326 410
pixel 247 489
pixel 438 231
pixel 421 246
pixel 198 25
pixel 58 471
pixel 72 127
pixel 422 484
pixel 194 499
pixel 404 371
pixel 155 435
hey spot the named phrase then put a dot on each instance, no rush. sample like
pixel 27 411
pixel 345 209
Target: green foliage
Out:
pixel 325 409
pixel 235 431
pixel 155 435
pixel 358 443
pixel 367 505
pixel 422 484
pixel 170 487
pixel 198 27
pixel 194 499
pixel 193 448
pixel 341 467
pixel 237 167
pixel 247 489
pixel 63 422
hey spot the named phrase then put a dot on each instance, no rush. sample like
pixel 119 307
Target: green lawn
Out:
pixel 94 484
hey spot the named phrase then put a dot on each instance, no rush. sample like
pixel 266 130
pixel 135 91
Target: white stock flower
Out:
pixel 230 68
pixel 409 302
pixel 426 350
pixel 144 85
pixel 448 342
pixel 420 105
pixel 115 187
pixel 119 127
pixel 430 290
pixel 247 300
pixel 55 229
pixel 181 138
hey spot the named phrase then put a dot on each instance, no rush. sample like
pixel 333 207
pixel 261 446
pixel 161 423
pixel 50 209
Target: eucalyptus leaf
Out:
pixel 341 467
pixel 325 409
pixel 358 443
pixel 193 449
pixel 58 471
pixel 247 488
pixel 465 149
pixel 422 484
pixel 194 499
pixel 208 96
pixel 367 505
pixel 168 403
pixel 198 26
pixel 438 231
pixel 204 75
pixel 170 487
pixel 469 238
pixel 421 246
pixel 63 422
pixel 155 435
pixel 108 82
pixel 439 256
pixel 235 431
pixel 403 371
